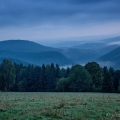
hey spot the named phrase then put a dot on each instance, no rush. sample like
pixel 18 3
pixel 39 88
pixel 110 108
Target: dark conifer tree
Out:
pixel 112 79
pixel 107 81
pixel 7 75
pixel 57 71
pixel 117 81
pixel 43 78
pixel 97 76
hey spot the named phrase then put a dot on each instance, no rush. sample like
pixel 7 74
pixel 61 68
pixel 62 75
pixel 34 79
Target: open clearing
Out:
pixel 59 106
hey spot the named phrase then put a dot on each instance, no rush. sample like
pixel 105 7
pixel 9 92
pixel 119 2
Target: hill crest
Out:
pixel 23 46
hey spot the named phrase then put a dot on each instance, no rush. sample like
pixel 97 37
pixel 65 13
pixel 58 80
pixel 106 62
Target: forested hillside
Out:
pixel 38 58
pixel 23 46
pixel 52 78
pixel 113 57
pixel 31 52
pixel 25 52
pixel 80 55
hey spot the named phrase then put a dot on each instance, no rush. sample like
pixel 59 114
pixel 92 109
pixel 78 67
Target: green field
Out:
pixel 59 106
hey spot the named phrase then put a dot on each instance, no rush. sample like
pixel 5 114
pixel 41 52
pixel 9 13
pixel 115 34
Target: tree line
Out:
pixel 52 78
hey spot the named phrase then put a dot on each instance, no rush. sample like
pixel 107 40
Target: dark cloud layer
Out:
pixel 70 12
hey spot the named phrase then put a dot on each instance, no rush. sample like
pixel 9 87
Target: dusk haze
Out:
pixel 52 20
pixel 59 59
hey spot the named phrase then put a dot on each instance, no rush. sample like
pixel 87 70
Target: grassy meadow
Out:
pixel 59 106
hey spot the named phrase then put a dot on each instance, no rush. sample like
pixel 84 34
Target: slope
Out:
pixel 112 57
pixel 79 55
pixel 31 52
pixel 23 46
pixel 100 48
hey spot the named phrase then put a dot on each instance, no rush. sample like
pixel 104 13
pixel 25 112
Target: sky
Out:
pixel 53 20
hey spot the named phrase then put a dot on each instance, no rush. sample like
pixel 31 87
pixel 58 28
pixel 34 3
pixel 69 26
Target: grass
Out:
pixel 59 106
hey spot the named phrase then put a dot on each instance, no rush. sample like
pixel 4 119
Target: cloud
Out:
pixel 70 12
pixel 54 32
pixel 114 43
pixel 52 19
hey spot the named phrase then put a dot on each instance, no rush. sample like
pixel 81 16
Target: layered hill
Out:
pixel 31 52
pixel 101 48
pixel 113 58
pixel 23 46
pixel 80 55
pixel 90 51
pixel 81 52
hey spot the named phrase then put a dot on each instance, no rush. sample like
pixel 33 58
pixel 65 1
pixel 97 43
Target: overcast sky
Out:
pixel 57 19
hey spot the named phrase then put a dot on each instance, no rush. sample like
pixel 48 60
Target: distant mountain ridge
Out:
pixel 80 55
pixel 100 48
pixel 23 46
pixel 113 39
pixel 83 52
pixel 113 57
pixel 91 51
pixel 32 53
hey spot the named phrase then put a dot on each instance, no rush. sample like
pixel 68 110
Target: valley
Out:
pixel 28 52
